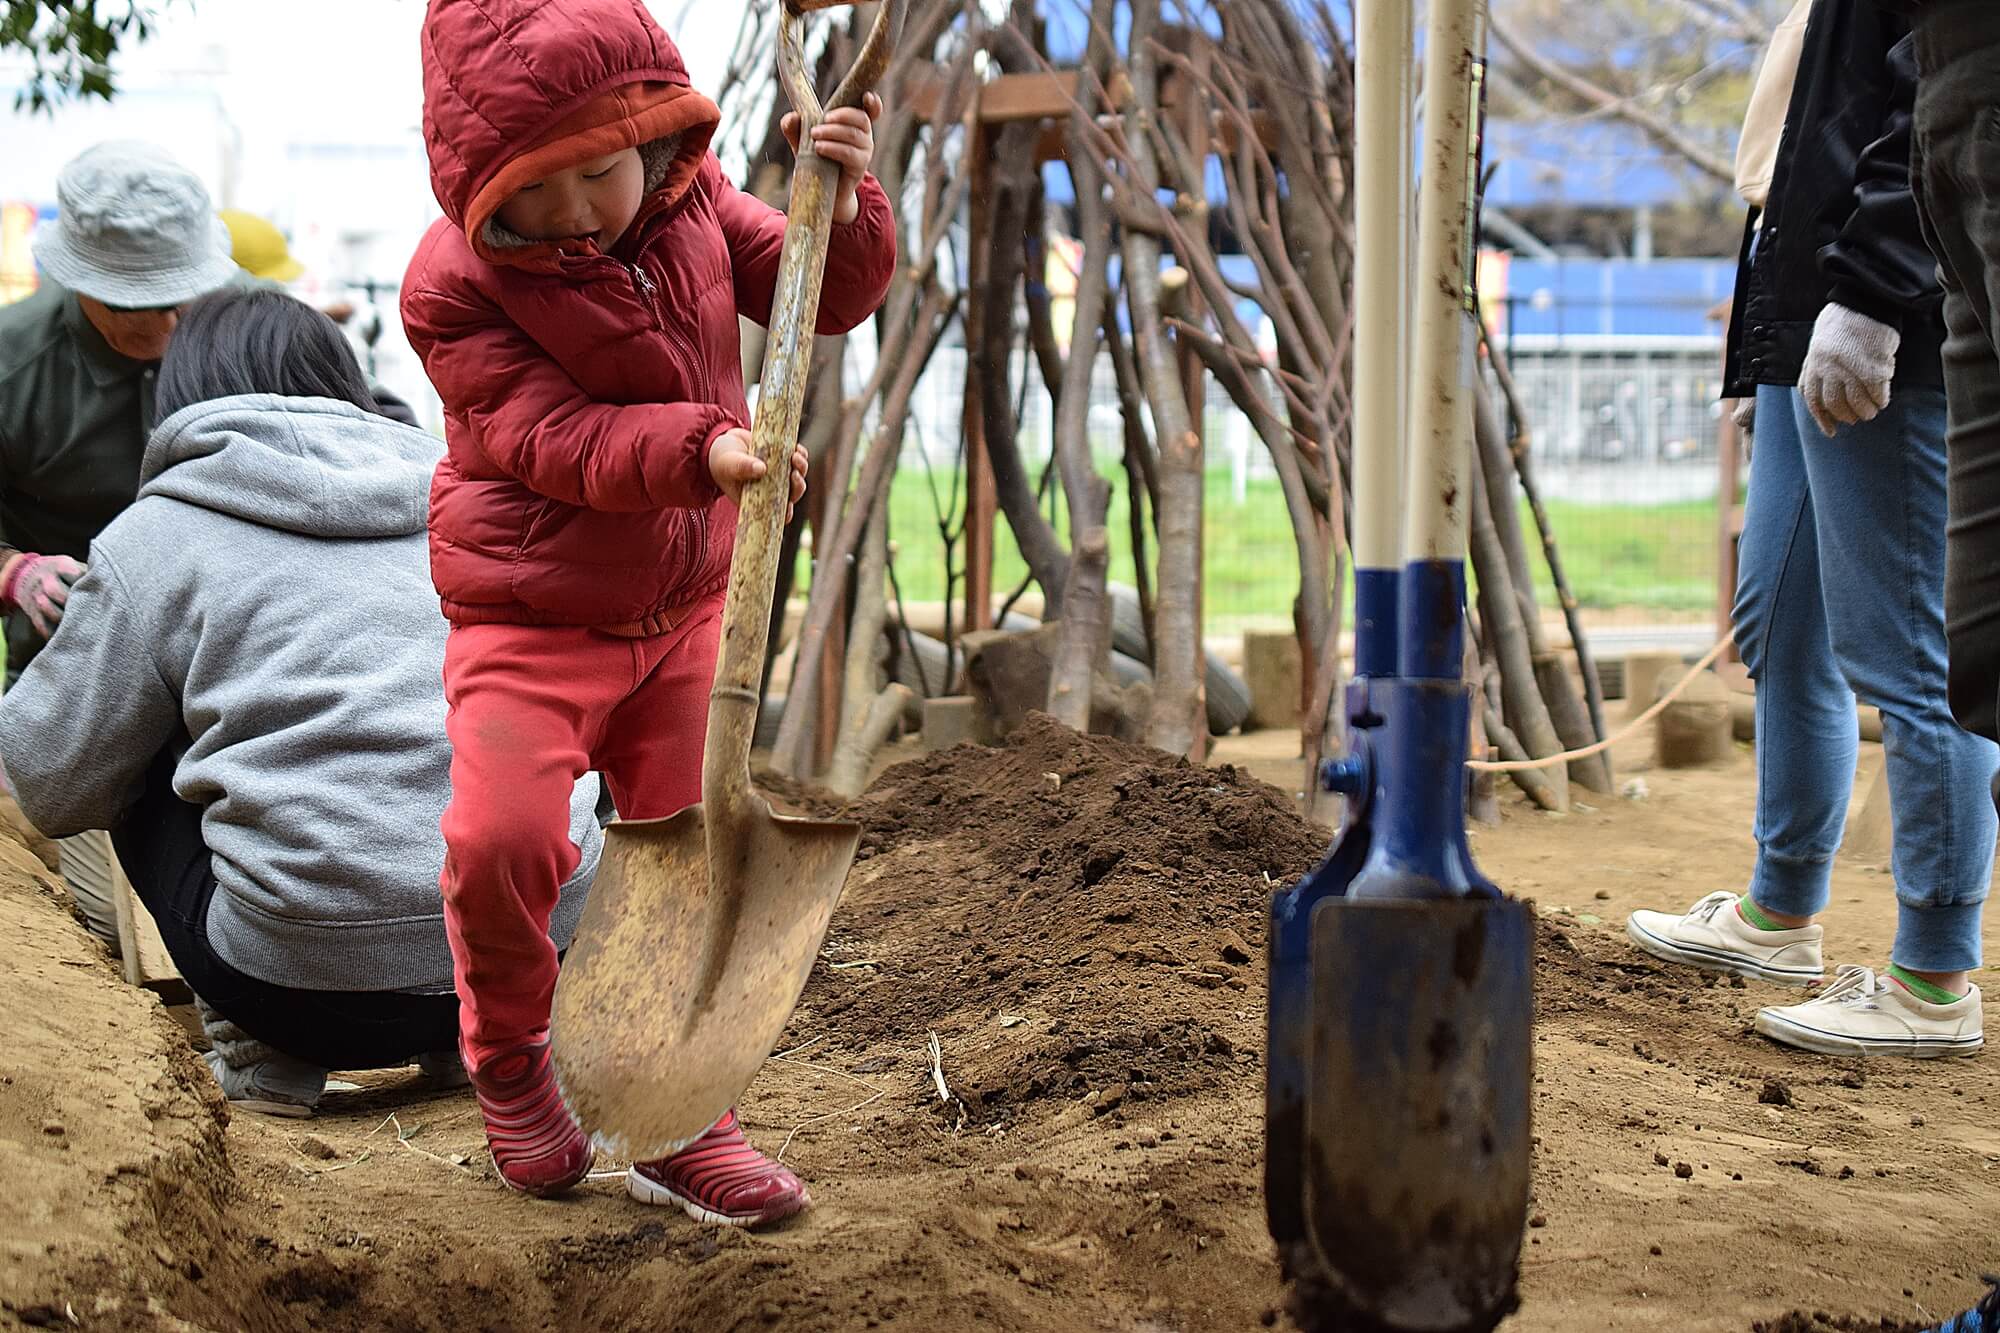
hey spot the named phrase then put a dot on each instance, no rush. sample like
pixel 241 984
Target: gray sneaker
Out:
pixel 1713 936
pixel 446 1069
pixel 277 1085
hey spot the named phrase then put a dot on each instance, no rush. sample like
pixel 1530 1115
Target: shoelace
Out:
pixel 1709 906
pixel 1852 985
pixel 1981 1318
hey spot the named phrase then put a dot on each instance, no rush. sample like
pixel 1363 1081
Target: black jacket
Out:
pixel 1841 224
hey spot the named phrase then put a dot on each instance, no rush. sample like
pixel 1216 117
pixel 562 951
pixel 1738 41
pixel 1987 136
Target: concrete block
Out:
pixel 1696 729
pixel 1272 668
pixel 1611 677
pixel 1644 673
pixel 952 720
pixel 1743 716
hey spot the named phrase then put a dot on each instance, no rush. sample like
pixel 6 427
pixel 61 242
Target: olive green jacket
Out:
pixel 74 417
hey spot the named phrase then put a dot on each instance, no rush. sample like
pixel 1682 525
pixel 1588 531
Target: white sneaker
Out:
pixel 1864 1014
pixel 1714 936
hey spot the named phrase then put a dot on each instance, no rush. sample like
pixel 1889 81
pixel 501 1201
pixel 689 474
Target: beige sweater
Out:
pixel 1764 121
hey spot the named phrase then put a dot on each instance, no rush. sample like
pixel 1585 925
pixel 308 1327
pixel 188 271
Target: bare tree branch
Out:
pixel 1583 90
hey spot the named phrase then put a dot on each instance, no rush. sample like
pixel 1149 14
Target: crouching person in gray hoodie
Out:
pixel 247 690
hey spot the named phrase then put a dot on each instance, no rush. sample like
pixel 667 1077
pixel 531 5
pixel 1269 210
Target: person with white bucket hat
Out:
pixel 135 238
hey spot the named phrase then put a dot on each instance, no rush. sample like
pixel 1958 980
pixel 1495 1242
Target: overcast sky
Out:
pixel 303 110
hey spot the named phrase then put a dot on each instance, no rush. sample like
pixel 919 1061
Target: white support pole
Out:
pixel 1440 446
pixel 1384 56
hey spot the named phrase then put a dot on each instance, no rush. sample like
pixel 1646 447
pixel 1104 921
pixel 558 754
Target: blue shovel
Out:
pixel 1397 1098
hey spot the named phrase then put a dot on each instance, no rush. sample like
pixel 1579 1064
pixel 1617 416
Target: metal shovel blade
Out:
pixel 1418 1151
pixel 684 972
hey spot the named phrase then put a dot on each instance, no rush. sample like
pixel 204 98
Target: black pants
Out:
pixel 1955 166
pixel 161 848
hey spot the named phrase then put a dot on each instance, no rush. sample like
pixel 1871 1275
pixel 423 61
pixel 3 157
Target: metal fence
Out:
pixel 1624 438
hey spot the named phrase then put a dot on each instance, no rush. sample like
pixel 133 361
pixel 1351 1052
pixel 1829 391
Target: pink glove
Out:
pixel 39 585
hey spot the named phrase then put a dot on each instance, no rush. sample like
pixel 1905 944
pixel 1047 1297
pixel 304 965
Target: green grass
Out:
pixel 1654 557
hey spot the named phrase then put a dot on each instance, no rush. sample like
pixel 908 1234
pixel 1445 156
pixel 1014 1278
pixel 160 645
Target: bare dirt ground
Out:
pixel 1081 927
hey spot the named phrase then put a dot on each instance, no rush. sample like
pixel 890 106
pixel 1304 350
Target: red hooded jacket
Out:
pixel 582 389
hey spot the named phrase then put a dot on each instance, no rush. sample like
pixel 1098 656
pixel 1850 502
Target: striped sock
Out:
pixel 1923 990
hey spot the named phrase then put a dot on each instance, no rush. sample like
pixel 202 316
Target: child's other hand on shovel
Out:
pixel 845 138
pixel 733 465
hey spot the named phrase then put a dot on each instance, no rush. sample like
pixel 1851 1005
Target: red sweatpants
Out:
pixel 531 709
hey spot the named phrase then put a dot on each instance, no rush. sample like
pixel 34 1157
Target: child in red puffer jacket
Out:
pixel 577 310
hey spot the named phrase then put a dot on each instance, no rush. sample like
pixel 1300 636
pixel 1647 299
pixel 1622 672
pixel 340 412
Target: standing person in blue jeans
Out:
pixel 1837 331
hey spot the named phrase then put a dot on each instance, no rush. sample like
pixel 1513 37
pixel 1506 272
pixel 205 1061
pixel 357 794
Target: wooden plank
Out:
pixel 142 952
pixel 126 905
pixel 1005 98
pixel 1051 95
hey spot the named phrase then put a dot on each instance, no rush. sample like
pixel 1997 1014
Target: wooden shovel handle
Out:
pixel 746 615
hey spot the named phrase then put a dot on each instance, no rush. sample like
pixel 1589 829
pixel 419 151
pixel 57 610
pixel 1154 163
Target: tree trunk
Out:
pixel 1542 787
pixel 1325 728
pixel 1085 638
pixel 1566 709
pixel 1178 667
pixel 1142 476
pixel 868 711
pixel 1500 614
pixel 1520 447
pixel 908 351
pixel 1482 801
pixel 989 351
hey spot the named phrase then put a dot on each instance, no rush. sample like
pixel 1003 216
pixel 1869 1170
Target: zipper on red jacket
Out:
pixel 649 291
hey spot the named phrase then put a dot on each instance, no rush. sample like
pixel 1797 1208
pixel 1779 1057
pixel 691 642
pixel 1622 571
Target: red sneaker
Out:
pixel 536 1142
pixel 720 1178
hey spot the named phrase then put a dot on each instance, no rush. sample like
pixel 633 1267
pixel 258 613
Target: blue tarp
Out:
pixel 1584 164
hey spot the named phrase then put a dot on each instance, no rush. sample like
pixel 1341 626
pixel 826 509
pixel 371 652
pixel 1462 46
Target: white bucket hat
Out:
pixel 134 229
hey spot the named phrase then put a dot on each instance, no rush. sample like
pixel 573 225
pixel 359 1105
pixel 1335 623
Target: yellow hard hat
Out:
pixel 259 247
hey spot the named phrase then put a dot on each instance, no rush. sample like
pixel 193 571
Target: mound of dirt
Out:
pixel 1077 917
pixel 112 1157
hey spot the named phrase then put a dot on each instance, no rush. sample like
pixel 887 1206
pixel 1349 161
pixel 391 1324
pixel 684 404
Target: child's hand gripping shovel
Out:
pixel 702 928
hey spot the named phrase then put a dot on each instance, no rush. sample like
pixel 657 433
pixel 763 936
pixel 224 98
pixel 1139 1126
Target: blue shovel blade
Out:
pixel 1418 1155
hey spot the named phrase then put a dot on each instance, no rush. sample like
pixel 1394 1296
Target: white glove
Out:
pixel 1744 414
pixel 1848 368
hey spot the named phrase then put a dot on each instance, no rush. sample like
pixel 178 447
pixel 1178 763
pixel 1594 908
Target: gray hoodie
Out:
pixel 267 602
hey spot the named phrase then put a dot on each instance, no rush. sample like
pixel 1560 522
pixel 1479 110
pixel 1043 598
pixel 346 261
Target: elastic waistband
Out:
pixel 660 622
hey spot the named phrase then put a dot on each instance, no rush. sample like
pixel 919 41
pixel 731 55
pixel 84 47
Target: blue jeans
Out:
pixel 1840 593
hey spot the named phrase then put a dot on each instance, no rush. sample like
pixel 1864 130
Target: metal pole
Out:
pixel 1384 41
pixel 1434 521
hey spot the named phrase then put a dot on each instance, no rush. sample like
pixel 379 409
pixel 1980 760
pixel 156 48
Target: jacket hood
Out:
pixel 316 466
pixel 517 89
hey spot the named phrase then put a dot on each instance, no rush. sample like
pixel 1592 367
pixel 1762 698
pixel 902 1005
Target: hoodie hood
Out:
pixel 315 466
pixel 517 89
